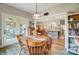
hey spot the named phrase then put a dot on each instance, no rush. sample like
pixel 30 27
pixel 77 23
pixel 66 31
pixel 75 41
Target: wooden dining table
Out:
pixel 39 40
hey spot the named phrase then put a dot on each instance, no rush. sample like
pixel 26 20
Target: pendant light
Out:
pixel 36 16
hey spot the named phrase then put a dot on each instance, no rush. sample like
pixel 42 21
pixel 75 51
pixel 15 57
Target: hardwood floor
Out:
pixel 57 49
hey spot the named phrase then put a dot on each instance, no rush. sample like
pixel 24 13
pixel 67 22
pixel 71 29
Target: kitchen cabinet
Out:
pixel 73 33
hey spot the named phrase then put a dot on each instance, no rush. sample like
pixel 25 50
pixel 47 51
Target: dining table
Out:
pixel 39 40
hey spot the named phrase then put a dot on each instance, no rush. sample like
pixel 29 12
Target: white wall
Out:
pixel 14 11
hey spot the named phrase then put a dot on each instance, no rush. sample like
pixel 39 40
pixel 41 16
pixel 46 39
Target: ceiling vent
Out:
pixel 46 14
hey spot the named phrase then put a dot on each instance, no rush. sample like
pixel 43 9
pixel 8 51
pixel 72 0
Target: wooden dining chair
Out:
pixel 49 45
pixel 36 50
pixel 22 42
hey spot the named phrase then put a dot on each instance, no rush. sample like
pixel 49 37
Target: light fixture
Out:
pixel 71 19
pixel 36 16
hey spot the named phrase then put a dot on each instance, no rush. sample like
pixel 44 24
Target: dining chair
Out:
pixel 22 42
pixel 36 50
pixel 48 46
pixel 50 41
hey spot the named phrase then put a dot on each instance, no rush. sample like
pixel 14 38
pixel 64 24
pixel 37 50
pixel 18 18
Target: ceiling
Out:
pixel 30 7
